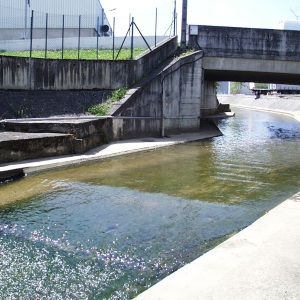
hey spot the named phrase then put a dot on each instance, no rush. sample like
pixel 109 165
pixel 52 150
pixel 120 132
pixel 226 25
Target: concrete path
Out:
pixel 260 262
pixel 109 150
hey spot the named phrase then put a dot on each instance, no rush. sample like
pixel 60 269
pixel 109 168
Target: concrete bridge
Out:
pixel 248 54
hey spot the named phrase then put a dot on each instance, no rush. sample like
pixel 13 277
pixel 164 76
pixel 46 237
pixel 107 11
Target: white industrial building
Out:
pixel 15 17
pixel 288 25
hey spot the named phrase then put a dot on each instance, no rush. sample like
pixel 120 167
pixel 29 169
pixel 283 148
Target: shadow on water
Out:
pixel 110 229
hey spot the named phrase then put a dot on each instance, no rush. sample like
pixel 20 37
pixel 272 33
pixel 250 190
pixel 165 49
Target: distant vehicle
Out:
pixel 274 89
pixel 284 89
pixel 287 88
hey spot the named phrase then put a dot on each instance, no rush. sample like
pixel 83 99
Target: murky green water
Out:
pixel 109 230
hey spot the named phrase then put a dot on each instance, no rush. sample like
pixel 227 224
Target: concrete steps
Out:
pixel 34 138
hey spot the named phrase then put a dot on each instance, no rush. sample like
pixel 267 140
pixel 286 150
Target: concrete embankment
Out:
pixel 284 104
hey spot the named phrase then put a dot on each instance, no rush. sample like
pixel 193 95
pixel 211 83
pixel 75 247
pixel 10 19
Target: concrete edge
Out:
pixel 11 175
pixel 200 278
pixel 113 149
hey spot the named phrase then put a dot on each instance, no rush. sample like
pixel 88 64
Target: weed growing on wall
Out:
pixel 99 109
pixel 102 108
pixel 118 94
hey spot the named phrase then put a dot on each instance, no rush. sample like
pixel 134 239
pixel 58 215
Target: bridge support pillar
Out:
pixel 210 102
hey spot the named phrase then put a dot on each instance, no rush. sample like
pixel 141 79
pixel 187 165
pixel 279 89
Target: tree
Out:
pixel 235 87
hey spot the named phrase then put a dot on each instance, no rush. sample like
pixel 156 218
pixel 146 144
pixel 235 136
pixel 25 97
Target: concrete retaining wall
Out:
pixel 35 146
pixel 174 93
pixel 53 74
pixel 34 138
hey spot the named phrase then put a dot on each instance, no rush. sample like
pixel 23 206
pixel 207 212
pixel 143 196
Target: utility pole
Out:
pixel 183 25
pixel 25 19
pixel 175 20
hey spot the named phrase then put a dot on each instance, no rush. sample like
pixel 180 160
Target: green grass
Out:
pixel 83 54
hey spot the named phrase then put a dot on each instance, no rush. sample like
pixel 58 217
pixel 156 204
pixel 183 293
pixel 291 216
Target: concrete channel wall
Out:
pixel 55 74
pixel 166 101
pixel 284 104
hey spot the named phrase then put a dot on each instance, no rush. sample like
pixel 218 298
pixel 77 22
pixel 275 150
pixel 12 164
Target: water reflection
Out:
pixel 114 238
pixel 109 230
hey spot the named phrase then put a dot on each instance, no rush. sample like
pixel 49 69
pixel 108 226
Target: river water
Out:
pixel 111 229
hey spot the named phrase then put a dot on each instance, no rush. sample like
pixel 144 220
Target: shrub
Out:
pixel 102 108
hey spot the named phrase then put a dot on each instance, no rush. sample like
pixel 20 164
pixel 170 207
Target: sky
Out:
pixel 236 13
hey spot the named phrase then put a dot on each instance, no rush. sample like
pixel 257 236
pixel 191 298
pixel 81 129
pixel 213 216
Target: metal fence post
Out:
pixel 79 28
pixel 31 34
pixel 46 37
pixel 132 22
pixel 98 24
pixel 63 37
pixel 114 38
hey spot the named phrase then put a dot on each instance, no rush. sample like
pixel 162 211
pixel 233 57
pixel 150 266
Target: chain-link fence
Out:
pixel 33 33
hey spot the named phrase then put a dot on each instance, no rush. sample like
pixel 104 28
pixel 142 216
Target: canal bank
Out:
pixel 283 104
pixel 260 262
pixel 19 168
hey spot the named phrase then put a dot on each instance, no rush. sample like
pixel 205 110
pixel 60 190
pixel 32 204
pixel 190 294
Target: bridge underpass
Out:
pixel 251 70
pixel 245 55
